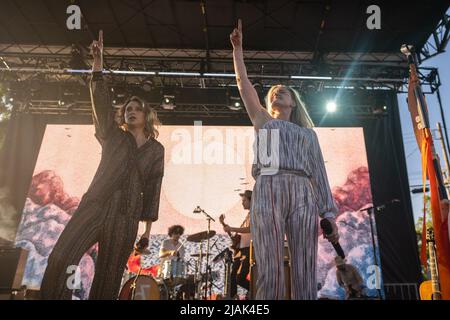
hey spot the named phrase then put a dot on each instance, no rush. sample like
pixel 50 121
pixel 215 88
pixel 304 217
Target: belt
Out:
pixel 272 171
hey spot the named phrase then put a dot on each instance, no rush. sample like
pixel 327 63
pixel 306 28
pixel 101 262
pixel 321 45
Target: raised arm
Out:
pixel 101 103
pixel 258 115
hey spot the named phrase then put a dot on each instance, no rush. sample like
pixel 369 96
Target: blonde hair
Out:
pixel 152 122
pixel 299 114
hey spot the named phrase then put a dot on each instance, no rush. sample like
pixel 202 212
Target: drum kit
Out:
pixel 170 280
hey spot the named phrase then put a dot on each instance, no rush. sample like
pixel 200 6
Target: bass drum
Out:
pixel 147 288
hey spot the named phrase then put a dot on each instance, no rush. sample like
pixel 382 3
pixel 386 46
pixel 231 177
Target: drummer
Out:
pixel 171 248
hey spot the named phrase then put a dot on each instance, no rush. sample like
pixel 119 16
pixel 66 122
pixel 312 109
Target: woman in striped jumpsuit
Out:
pixel 125 190
pixel 291 189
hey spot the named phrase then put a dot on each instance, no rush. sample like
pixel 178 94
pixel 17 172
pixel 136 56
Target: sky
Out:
pixel 412 154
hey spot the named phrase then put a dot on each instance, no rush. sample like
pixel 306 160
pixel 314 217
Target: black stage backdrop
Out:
pixel 385 153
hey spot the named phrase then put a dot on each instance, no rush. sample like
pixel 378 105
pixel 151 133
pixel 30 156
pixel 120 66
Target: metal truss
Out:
pixel 83 108
pixel 187 68
pixel 438 40
pixel 270 67
pixel 28 68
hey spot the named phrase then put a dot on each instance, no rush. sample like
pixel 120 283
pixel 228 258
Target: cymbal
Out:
pixel 222 255
pixel 200 236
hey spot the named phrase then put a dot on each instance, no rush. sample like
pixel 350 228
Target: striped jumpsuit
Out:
pixel 125 190
pixel 288 199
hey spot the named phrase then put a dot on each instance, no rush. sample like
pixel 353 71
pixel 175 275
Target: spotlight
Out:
pixel 168 102
pixel 234 103
pixel 68 97
pixel 147 84
pixel 380 111
pixel 119 96
pixel 77 60
pixel 259 87
pixel 331 106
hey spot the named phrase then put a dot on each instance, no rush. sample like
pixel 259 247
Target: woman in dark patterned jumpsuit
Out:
pixel 125 190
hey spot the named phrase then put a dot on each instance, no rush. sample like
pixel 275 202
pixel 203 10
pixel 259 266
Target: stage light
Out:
pixel 331 106
pixel 119 95
pixel 234 103
pixel 147 84
pixel 168 102
pixel 77 60
pixel 259 87
pixel 380 110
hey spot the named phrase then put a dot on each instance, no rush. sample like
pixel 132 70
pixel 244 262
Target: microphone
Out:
pixel 197 210
pixel 328 229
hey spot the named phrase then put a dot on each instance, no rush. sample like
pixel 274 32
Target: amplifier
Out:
pixel 12 267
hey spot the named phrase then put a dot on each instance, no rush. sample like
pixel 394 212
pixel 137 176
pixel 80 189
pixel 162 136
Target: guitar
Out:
pixel 430 289
pixel 235 239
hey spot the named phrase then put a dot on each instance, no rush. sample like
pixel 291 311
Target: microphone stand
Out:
pixel 208 218
pixel 369 211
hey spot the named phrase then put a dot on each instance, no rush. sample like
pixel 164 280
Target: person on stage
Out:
pixel 290 193
pixel 241 259
pixel 348 277
pixel 125 190
pixel 171 248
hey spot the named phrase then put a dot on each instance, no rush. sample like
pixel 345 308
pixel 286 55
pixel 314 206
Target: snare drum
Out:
pixel 174 271
pixel 147 288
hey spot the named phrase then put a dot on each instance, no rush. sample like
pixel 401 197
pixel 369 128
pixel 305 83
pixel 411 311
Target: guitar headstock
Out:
pixel 222 218
pixel 430 235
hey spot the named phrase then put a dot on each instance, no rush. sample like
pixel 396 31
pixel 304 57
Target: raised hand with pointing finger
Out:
pixel 236 36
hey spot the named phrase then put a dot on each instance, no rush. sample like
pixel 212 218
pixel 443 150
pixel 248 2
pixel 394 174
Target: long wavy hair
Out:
pixel 299 114
pixel 152 122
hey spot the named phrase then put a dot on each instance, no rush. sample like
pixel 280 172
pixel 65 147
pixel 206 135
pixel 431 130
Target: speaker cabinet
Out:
pixel 12 268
